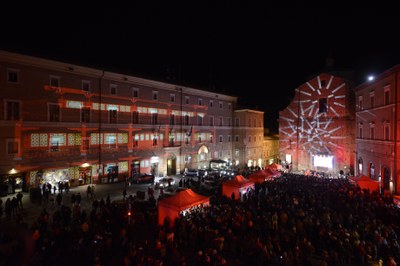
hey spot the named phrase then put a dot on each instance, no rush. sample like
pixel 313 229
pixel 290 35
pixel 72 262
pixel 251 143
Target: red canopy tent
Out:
pixel 367 183
pixel 272 173
pixel 364 182
pixel 275 166
pixel 183 200
pixel 237 185
pixel 258 177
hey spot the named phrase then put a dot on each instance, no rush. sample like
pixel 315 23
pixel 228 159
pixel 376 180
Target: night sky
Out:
pixel 233 48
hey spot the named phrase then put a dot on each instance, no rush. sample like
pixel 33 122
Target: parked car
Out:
pixel 165 182
pixel 191 172
pixel 143 179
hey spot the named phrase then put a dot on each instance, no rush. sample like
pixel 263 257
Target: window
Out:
pixel 12 75
pixel 155 138
pixel 372 131
pixel 186 120
pixel 229 138
pixel 112 116
pixel 200 101
pixel 199 120
pixel 172 98
pixel 85 115
pixel 249 138
pixel 135 92
pixel 113 89
pixel 386 131
pixel 154 118
pixel 211 104
pixel 221 105
pixel 229 121
pixel 254 122
pixel 172 119
pixel 110 138
pixel 255 138
pixel 187 98
pixel 221 121
pixel 211 121
pixel 135 117
pixel 372 170
pixel 221 139
pixel 54 81
pixel 237 138
pixel 54 112
pixel 12 146
pixel 237 152
pixel 323 105
pixel 220 154
pixel 155 95
pixel 360 132
pixel 229 106
pixel 211 138
pixel 56 140
pixel 237 121
pixel 249 122
pixel 387 96
pixel 372 100
pixel 86 85
pixel 360 103
pixel 136 140
pixel 12 110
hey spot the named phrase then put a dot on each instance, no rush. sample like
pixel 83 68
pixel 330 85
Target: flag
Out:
pixel 189 132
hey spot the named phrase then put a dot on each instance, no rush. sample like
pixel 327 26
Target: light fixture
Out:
pixel 85 164
pixel 13 171
pixel 371 78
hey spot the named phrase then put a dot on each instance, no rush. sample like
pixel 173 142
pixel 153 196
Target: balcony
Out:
pixel 60 152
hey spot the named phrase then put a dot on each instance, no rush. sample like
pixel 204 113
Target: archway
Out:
pixel 360 166
pixel 371 170
pixel 386 178
pixel 171 164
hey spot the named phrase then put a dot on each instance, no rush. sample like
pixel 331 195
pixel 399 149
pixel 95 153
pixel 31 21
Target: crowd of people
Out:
pixel 293 220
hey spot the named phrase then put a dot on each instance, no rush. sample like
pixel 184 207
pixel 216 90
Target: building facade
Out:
pixel 248 138
pixel 64 122
pixel 271 149
pixel 316 130
pixel 377 115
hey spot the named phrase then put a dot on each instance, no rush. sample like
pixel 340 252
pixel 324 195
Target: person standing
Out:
pixel 59 199
pixel 124 193
pixel 19 198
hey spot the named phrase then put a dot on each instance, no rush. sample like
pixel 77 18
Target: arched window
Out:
pixel 360 166
pixel 371 171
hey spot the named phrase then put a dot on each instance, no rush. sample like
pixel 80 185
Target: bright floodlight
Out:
pixel 371 78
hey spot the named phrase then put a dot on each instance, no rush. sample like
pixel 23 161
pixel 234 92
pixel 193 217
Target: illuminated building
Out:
pixel 68 122
pixel 271 149
pixel 248 138
pixel 316 130
pixel 377 113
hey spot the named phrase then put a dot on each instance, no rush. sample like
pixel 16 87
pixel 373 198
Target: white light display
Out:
pixel 323 161
pixel 288 158
pixel 311 127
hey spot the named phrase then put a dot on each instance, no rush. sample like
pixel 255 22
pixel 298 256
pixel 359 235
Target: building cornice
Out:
pixel 98 73
pixel 249 110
